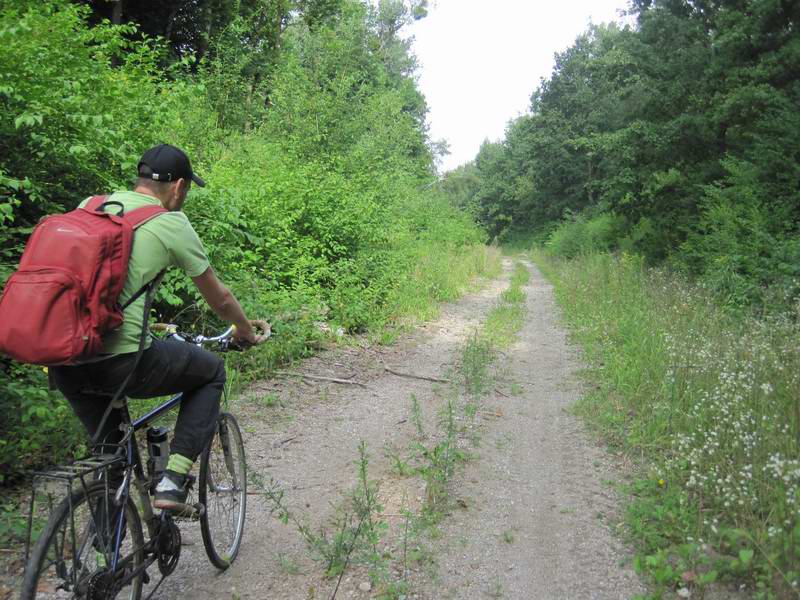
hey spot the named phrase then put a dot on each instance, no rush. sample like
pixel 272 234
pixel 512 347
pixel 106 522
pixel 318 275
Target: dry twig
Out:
pixel 320 378
pixel 413 376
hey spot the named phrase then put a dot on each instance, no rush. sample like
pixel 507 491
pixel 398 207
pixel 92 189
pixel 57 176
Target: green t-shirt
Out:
pixel 165 241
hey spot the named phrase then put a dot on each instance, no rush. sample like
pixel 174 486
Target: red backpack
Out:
pixel 64 297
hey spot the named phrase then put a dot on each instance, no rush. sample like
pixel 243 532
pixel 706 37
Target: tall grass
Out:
pixel 707 402
pixel 440 274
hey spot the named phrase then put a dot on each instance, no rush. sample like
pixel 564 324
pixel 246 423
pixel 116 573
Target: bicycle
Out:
pixel 93 545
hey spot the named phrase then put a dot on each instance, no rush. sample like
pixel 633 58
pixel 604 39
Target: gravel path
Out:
pixel 534 526
pixel 535 522
pixel 309 444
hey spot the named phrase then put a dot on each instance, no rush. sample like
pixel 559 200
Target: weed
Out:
pixel 508 536
pixel 503 323
pixel 13 524
pixel 506 319
pixel 288 565
pixel 513 295
pixel 516 389
pixel 475 360
pixel 471 409
pixel 520 276
pixel 400 465
pixel 269 400
pixel 438 461
pixel 416 416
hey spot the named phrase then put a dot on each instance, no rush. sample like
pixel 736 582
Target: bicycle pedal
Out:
pixel 190 512
pixel 145 577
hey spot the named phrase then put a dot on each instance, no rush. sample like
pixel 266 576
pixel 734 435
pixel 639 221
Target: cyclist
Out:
pixel 164 176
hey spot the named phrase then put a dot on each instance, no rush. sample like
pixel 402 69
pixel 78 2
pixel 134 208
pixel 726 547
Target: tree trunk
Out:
pixel 170 23
pixel 116 12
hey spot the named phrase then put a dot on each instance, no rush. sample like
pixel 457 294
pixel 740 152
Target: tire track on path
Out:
pixel 535 523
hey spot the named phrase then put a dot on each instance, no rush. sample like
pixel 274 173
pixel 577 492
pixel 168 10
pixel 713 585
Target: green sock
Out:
pixel 179 464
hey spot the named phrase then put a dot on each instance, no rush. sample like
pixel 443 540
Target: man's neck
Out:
pixel 148 192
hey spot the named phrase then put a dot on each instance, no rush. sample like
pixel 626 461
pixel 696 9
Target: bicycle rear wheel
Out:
pixel 223 492
pixel 72 556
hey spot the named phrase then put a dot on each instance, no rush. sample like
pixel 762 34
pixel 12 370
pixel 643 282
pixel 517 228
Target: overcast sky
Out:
pixel 480 61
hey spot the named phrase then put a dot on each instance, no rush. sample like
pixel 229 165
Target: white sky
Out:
pixel 480 61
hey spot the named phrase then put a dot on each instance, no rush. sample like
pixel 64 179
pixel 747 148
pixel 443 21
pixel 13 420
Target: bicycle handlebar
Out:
pixel 225 338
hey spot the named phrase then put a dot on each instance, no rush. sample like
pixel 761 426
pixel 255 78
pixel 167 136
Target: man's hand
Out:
pixel 249 337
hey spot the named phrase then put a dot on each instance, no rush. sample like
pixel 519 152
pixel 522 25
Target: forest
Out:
pixel 676 138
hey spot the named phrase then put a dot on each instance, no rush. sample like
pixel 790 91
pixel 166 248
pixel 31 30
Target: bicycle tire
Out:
pixel 223 492
pixel 38 579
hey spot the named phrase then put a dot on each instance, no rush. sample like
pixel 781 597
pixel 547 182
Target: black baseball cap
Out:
pixel 167 163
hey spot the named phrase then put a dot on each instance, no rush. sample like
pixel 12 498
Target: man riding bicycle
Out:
pixel 165 367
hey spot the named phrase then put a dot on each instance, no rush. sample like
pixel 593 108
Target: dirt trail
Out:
pixel 310 444
pixel 534 526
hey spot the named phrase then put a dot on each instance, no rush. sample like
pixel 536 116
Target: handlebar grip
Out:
pixel 266 329
pixel 165 327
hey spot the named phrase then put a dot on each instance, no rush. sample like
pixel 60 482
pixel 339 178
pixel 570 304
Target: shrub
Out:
pixel 585 235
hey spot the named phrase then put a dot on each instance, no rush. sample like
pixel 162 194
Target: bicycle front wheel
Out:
pixel 223 492
pixel 72 558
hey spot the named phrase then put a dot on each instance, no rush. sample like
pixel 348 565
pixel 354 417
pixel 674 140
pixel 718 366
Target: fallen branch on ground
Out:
pixel 413 376
pixel 320 378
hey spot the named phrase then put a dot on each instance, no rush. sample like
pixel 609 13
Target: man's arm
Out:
pixel 224 304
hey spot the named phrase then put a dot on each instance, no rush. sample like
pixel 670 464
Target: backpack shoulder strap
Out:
pixel 140 216
pixel 95 202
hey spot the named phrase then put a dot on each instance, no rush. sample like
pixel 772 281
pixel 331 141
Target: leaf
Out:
pixel 707 578
pixel 746 555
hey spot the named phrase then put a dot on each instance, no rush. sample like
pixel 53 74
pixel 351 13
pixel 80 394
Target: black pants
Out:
pixel 167 367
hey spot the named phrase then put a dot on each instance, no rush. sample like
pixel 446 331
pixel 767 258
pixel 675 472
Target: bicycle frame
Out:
pixel 133 464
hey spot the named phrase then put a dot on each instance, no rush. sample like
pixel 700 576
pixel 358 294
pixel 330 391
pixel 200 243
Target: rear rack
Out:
pixel 81 468
pixel 62 478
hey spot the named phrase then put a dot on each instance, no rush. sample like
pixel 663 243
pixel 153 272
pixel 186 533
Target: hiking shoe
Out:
pixel 171 492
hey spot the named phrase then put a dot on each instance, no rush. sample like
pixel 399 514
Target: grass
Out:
pixel 705 402
pixel 438 276
pixel 506 319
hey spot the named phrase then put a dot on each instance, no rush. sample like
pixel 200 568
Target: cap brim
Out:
pixel 198 181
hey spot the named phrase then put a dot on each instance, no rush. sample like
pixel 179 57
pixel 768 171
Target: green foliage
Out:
pixel 306 122
pixel 738 248
pixel 707 399
pixel 34 422
pixel 585 235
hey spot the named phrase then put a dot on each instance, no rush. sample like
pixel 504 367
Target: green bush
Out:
pixel 739 249
pixel 585 235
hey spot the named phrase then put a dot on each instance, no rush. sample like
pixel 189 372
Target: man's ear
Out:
pixel 179 190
